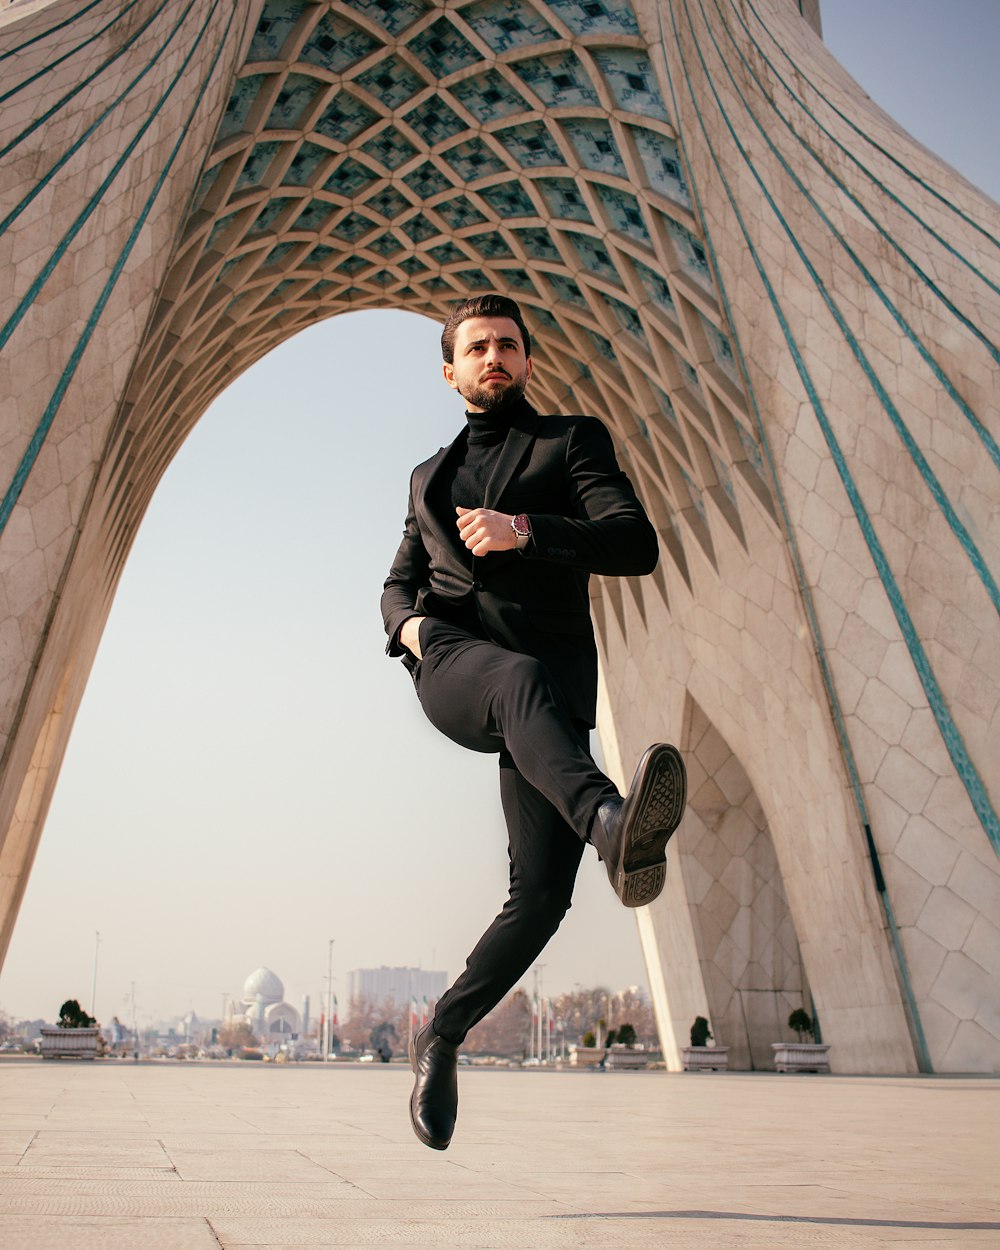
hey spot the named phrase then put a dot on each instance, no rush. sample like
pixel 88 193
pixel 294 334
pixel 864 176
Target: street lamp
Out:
pixel 93 992
pixel 328 1031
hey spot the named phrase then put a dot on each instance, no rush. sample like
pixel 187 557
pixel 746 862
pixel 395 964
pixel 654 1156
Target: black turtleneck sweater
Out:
pixel 462 483
pixel 476 459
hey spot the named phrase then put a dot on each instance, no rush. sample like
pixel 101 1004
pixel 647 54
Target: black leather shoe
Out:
pixel 434 1101
pixel 631 834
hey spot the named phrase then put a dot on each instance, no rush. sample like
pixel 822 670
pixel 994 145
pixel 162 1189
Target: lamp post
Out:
pixel 93 992
pixel 411 1005
pixel 328 1030
pixel 534 1009
pixel 539 995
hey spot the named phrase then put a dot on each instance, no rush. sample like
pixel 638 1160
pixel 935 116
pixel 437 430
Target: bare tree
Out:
pixel 505 1031
pixel 633 1007
pixel 598 1010
pixel 580 1012
pixel 368 1018
pixel 235 1034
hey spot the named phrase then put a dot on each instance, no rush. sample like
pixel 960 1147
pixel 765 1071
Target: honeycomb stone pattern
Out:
pixel 374 155
pixel 747 945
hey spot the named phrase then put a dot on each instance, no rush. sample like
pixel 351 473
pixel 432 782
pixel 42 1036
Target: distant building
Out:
pixel 398 985
pixel 271 1019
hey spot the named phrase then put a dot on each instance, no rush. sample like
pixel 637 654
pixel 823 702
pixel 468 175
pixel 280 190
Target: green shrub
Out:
pixel 626 1035
pixel 72 1016
pixel 701 1034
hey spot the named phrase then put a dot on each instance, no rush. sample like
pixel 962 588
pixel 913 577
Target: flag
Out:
pixel 335 1020
pixel 423 1018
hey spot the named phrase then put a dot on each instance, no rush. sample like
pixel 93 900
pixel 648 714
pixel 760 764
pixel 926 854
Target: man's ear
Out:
pixel 527 375
pixel 449 374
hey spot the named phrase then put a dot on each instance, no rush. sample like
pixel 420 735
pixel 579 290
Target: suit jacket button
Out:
pixel 477 585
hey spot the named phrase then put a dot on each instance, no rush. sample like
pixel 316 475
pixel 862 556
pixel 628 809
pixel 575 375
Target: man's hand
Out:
pixel 483 530
pixel 409 635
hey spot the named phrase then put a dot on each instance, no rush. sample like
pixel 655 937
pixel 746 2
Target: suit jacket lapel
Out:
pixel 423 511
pixel 519 439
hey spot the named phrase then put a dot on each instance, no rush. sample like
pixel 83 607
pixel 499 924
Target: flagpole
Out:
pixel 534 1011
pixel 539 968
pixel 329 1004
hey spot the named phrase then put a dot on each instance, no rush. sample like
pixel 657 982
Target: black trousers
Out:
pixel 489 699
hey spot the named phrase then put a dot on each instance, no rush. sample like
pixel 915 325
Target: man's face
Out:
pixel 490 368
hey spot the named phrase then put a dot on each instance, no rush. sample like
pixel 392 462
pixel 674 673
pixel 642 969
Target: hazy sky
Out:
pixel 249 776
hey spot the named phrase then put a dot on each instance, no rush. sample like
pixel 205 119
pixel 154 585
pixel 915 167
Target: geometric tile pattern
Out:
pixel 599 224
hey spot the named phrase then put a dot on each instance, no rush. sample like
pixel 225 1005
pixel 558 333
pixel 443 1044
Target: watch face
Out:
pixel 521 525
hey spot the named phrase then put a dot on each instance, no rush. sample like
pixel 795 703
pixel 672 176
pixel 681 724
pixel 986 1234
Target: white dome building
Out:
pixel 272 1019
pixel 264 984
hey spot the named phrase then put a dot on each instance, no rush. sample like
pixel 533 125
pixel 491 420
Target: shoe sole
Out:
pixel 659 806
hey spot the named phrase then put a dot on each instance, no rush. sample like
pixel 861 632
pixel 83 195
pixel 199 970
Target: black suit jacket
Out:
pixel 585 518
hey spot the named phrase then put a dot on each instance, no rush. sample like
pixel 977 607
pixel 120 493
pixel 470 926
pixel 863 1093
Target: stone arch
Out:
pixel 723 249
pixel 748 950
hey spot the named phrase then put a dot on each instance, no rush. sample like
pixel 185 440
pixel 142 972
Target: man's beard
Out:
pixel 493 398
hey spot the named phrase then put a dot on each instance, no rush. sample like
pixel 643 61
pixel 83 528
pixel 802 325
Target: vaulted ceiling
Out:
pixel 380 154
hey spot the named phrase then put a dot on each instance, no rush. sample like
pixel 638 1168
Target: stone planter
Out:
pixel 70 1043
pixel 587 1056
pixel 626 1059
pixel 801 1056
pixel 705 1058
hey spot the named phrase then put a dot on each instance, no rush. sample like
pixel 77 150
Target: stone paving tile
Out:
pixel 162 1198
pixel 25 1171
pixel 349 1141
pixel 19 1232
pixel 395 1178
pixel 245 1165
pixel 94 1148
pixel 444 1188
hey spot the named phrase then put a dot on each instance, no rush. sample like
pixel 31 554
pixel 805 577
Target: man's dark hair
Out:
pixel 491 305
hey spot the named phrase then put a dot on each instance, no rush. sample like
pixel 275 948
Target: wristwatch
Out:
pixel 522 529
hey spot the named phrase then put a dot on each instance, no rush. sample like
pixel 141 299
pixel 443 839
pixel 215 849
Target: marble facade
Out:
pixel 784 308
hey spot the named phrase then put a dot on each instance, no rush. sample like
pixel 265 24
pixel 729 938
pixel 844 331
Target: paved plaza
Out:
pixel 122 1156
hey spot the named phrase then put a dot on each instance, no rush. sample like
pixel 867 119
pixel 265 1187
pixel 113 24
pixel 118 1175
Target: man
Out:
pixel 487 603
